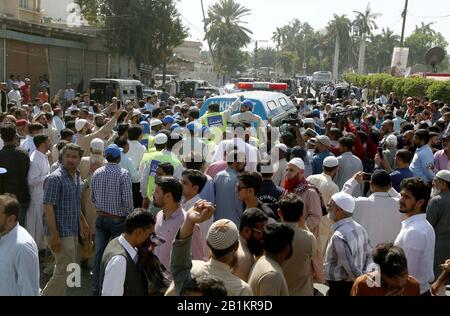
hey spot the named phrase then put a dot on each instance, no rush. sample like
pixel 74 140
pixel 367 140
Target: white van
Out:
pixel 322 78
pixel 103 90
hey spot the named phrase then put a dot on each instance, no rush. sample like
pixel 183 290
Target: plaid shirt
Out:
pixel 64 192
pixel 111 190
pixel 349 252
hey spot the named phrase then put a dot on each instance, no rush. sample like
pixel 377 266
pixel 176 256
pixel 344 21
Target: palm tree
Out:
pixel 364 25
pixel 389 41
pixel 340 28
pixel 227 34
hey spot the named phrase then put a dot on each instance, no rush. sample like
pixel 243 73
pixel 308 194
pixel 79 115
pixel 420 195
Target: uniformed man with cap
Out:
pixel 150 165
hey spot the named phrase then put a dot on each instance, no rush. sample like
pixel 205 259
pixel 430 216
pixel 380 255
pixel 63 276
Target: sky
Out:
pixel 267 15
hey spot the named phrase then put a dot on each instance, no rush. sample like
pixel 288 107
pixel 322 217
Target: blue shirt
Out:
pixel 208 193
pixel 270 194
pixel 111 190
pixel 64 192
pixel 422 165
pixel 228 205
pixel 398 176
pixel 317 162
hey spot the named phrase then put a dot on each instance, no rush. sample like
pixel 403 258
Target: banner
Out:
pixel 399 63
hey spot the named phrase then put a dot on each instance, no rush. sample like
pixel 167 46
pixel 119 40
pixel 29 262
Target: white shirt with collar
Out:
pixel 28 145
pixel 19 264
pixel 417 238
pixel 379 214
pixel 136 152
pixel 116 271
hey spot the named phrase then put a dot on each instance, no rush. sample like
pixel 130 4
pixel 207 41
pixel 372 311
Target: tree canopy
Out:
pixel 146 30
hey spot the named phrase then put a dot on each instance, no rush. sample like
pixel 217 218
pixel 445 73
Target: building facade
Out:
pixel 30 48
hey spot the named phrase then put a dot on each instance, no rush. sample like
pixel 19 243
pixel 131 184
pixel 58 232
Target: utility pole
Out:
pixel 402 41
pixel 256 59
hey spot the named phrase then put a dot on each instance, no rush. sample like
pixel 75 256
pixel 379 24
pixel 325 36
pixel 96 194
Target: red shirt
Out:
pixel 26 93
pixel 359 149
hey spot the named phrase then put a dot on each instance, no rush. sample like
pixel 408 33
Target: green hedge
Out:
pixel 413 87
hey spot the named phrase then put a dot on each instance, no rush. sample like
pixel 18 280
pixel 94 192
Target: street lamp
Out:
pixel 256 55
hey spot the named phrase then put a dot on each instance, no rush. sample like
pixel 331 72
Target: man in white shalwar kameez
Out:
pixel 39 170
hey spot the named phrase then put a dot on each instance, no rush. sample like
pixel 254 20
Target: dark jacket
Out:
pixel 17 163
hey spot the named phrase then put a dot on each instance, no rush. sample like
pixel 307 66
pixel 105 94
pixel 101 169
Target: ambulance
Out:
pixel 271 105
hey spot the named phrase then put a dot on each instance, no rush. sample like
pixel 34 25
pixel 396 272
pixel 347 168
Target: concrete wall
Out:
pixel 10 7
pixel 27 60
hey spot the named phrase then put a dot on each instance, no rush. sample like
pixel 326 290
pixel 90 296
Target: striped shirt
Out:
pixel 349 252
pixel 111 190
pixel 64 192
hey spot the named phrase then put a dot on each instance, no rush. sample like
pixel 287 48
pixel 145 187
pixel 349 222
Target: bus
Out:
pixel 322 78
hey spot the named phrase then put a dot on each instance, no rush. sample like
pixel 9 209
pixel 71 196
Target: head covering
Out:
pixel 443 175
pixel 324 140
pixel 168 120
pixel 248 104
pixel 136 113
pixel 38 115
pixel 298 162
pixel 392 139
pixel 344 201
pixel 79 124
pixel 161 139
pixel 193 126
pixel 57 110
pixel 316 112
pixel 155 122
pixel 331 162
pixel 381 178
pixel 97 145
pixel 145 127
pixel 113 150
pixel 297 151
pixel 310 132
pixel 3 171
pixel 283 147
pixel 222 234
pixel 309 121
pixel 21 123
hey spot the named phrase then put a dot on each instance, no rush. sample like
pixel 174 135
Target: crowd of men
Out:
pixel 158 200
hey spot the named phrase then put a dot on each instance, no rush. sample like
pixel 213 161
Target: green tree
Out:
pixel 422 39
pixel 340 28
pixel 381 46
pixel 228 35
pixel 364 24
pixel 146 30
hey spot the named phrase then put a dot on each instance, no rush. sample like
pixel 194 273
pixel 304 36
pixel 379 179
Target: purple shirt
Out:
pixel 167 228
pixel 441 161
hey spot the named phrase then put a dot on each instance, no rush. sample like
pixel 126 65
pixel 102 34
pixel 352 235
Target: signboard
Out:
pixel 399 62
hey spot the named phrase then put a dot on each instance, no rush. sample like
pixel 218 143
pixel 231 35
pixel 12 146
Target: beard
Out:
pixel 332 216
pixel 403 209
pixel 435 192
pixel 255 247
